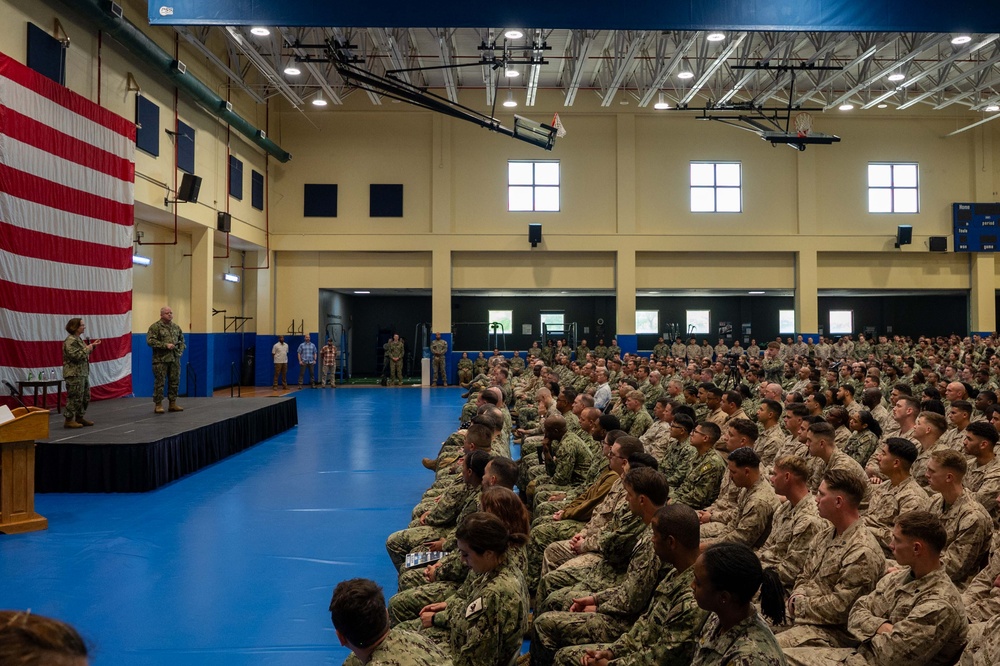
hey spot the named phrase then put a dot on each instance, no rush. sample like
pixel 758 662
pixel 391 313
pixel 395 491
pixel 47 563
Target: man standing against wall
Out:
pixel 395 350
pixel 328 355
pixel 279 352
pixel 438 349
pixel 167 340
pixel 307 360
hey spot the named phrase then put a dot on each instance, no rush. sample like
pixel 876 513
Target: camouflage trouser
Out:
pixel 573 655
pixel 544 533
pixel 824 657
pixel 169 371
pixel 469 410
pixel 464 377
pixel 407 604
pixel 815 636
pixel 77 397
pixel 400 543
pixel 437 363
pixel 437 634
pixel 712 530
pixel 554 630
pixel 396 371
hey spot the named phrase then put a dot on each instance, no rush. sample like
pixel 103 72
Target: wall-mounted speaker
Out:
pixel 190 186
pixel 904 235
pixel 224 221
pixel 534 234
pixel 938 243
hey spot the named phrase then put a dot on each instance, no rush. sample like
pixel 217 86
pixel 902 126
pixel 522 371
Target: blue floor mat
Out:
pixel 235 564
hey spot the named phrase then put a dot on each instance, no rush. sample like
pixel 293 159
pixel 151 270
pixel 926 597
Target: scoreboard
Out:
pixel 977 227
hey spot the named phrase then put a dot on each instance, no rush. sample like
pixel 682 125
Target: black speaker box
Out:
pixel 904 234
pixel 534 234
pixel 190 186
pixel 224 222
pixel 938 243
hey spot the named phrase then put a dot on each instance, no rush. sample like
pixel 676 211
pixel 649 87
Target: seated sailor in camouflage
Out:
pixel 726 578
pixel 486 623
pixel 362 625
pixel 76 372
pixel 167 340
pixel 464 370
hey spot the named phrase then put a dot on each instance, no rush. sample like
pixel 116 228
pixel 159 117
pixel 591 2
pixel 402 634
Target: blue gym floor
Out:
pixel 235 564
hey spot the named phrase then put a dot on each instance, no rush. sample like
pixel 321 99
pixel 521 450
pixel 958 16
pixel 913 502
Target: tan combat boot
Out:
pixel 174 407
pixel 159 409
pixel 70 423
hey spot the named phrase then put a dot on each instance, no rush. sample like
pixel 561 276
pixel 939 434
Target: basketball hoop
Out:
pixel 803 124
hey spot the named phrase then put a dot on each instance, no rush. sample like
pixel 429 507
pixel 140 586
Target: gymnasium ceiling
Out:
pixel 952 72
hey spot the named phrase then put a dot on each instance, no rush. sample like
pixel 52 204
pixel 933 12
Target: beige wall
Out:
pixel 624 214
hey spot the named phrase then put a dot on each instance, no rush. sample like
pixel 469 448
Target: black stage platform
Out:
pixel 131 449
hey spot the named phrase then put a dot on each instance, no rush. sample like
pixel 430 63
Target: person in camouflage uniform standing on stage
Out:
pixel 167 340
pixel 76 372
pixel 394 351
pixel 439 348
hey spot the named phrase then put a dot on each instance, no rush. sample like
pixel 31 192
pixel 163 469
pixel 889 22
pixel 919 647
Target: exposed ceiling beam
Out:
pixel 666 66
pixel 713 68
pixel 443 37
pixel 986 64
pixel 828 81
pixel 263 66
pixel 957 55
pixel 577 52
pixel 627 47
pixel 217 61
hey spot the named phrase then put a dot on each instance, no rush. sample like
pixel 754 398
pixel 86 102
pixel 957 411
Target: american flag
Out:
pixel 67 177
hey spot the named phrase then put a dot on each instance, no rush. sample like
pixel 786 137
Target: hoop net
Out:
pixel 803 124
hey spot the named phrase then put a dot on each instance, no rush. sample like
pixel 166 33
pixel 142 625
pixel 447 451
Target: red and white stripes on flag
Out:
pixel 67 177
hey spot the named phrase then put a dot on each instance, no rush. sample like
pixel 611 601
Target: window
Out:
pixel 786 321
pixel 841 322
pixel 532 186
pixel 257 189
pixel 892 188
pixel 716 187
pixel 553 322
pixel 235 178
pixel 698 321
pixel 647 321
pixel 503 317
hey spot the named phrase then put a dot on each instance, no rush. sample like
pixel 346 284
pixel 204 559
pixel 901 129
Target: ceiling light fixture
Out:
pixel 511 73
pixel 961 39
pixel 513 34
pixel 883 106
pixel 715 36
pixel 362 292
pixel 291 69
pixel 260 31
pixel 756 293
pixel 846 107
pixel 510 102
pixel 896 76
pixel 318 100
pixel 992 108
pixel 685 75
pixel 661 104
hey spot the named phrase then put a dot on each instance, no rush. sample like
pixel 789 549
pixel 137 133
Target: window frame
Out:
pixel 780 319
pixel 656 322
pixel 491 318
pixel 535 187
pixel 892 188
pixel 831 330
pixel 542 315
pixel 715 187
pixel 688 324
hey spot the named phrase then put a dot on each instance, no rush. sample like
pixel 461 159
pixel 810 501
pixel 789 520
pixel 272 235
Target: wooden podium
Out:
pixel 17 470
